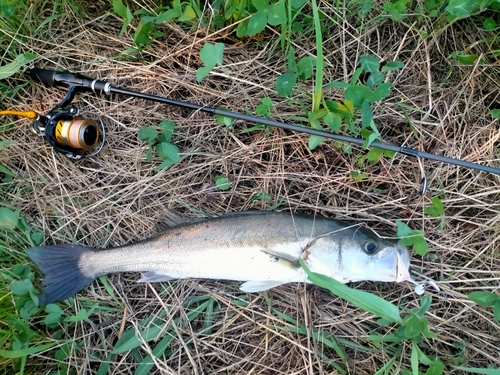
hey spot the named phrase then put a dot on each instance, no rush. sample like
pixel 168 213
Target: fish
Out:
pixel 260 248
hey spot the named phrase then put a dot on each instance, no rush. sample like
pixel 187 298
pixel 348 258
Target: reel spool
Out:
pixel 69 134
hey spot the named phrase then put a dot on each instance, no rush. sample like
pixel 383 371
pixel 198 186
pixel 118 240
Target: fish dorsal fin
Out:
pixel 172 218
pixel 246 213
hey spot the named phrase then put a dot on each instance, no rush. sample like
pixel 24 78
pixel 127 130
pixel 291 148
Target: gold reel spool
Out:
pixel 77 133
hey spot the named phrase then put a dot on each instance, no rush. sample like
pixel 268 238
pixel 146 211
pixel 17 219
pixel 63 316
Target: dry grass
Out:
pixel 117 197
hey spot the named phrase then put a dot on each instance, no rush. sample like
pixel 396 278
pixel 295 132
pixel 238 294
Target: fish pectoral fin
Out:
pixel 154 277
pixel 285 259
pixel 259 286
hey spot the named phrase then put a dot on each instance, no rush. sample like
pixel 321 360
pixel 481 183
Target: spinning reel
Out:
pixel 62 127
pixel 70 134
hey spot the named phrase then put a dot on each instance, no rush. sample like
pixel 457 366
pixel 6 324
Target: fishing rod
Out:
pixel 76 83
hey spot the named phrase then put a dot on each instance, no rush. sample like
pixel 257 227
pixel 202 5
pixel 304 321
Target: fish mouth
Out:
pixel 402 264
pixel 394 266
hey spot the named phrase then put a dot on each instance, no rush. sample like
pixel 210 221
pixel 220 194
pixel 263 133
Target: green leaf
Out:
pixel 25 352
pixel 437 208
pixel 257 23
pixel 285 84
pixel 374 154
pixel 314 141
pixel 414 358
pixel 381 92
pixel 21 287
pixel 262 196
pixel 264 108
pixel 54 314
pixel 420 245
pixel 426 331
pixel 167 128
pixel 355 75
pixel 466 59
pixel 333 120
pixel 484 298
pixel 305 67
pixel 403 230
pixel 369 63
pixel 203 72
pixel 212 54
pixel 30 308
pixel 425 303
pixel 291 60
pixel 460 8
pixel 374 79
pixel 370 136
pixel 167 16
pixel 147 134
pixel 241 29
pixel 396 9
pixel 366 114
pixel 8 218
pixel 364 300
pixel 168 151
pixel 142 35
pixel 495 113
pixel 413 327
pixel 496 310
pixel 475 370
pixel 436 202
pixel 81 315
pixel 489 24
pixel 357 94
pixel 392 65
pixel 12 67
pixel 188 14
pixel 260 4
pixel 5 144
pixel 276 14
pixel 53 308
pixel 37 237
pixel 165 164
pixel 119 8
pixel 124 12
pixel 358 176
pixel 222 182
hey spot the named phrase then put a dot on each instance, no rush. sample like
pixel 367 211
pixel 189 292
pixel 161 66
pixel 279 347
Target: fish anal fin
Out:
pixel 259 286
pixel 154 277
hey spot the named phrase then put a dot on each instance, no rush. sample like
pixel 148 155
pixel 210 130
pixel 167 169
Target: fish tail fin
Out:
pixel 62 275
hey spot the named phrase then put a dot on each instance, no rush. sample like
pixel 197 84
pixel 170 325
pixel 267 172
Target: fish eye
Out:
pixel 370 246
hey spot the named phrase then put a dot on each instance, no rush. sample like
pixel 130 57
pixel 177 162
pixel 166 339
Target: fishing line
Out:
pixel 77 83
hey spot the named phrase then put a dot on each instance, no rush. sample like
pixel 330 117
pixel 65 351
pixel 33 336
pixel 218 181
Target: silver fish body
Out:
pixel 260 248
